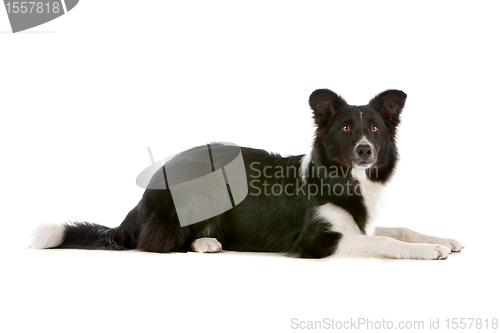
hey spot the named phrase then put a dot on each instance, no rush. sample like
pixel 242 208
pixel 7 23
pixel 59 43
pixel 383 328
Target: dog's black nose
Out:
pixel 364 151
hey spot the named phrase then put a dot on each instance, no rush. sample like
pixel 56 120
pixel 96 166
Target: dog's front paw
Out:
pixel 443 251
pixel 452 244
pixel 427 252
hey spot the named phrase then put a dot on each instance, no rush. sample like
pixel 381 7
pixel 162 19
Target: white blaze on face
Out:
pixel 364 141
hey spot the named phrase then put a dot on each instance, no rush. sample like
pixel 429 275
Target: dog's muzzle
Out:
pixel 364 155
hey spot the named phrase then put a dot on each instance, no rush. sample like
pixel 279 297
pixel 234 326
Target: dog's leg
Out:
pixel 360 246
pixel 206 245
pixel 410 236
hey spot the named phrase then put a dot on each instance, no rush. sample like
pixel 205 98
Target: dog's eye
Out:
pixel 346 128
pixel 374 128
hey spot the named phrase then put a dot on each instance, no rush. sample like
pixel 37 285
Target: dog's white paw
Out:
pixel 428 252
pixel 452 244
pixel 206 245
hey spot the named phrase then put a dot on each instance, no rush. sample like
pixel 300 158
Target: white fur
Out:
pixel 363 141
pixel 340 219
pixel 47 235
pixel 361 246
pixel 373 197
pixel 304 165
pixel 410 236
pixel 206 245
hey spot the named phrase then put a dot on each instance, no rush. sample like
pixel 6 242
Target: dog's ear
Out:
pixel 325 103
pixel 389 104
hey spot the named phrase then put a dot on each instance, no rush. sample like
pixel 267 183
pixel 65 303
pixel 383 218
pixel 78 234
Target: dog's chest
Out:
pixel 373 200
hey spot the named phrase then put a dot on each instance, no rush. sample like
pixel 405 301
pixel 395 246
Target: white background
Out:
pixel 83 96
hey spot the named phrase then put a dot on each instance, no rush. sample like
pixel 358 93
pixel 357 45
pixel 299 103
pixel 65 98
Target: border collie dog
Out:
pixel 316 205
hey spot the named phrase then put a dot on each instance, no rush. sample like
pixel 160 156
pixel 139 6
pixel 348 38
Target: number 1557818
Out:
pixel 32 7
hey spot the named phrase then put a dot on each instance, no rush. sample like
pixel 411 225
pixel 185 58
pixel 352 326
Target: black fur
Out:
pixel 276 222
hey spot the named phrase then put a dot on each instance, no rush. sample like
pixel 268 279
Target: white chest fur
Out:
pixel 373 199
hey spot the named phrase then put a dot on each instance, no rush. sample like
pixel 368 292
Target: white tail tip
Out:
pixel 47 235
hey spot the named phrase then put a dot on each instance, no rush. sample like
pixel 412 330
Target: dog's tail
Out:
pixel 83 235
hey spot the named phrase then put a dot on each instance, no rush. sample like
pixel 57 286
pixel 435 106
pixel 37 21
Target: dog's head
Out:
pixel 356 136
